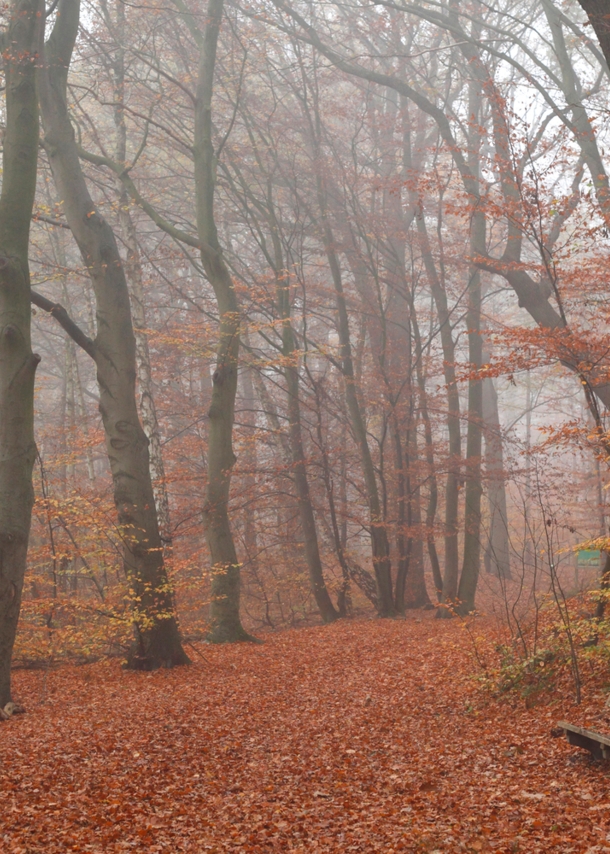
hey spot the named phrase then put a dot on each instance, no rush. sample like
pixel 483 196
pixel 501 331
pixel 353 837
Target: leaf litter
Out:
pixel 357 737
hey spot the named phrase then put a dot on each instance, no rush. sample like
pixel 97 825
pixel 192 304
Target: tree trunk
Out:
pixel 248 419
pixel 299 468
pixel 225 586
pixel 379 538
pixel 157 641
pixel 297 449
pixel 474 491
pixel 338 532
pixel 17 362
pixel 416 592
pixel 497 552
pixel 450 577
pixel 433 486
pixel 598 12
pixel 403 543
pixel 306 516
pixel 474 436
pixel 146 400
pixel 380 545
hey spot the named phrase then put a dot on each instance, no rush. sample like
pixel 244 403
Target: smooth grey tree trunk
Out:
pixel 19 44
pixel 225 621
pixel 225 586
pixel 157 641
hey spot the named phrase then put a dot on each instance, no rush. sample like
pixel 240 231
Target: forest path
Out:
pixel 360 736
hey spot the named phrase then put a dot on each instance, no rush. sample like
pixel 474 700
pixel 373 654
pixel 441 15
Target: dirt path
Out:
pixel 363 737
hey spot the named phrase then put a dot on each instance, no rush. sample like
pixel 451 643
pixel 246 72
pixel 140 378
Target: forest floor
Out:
pixel 362 736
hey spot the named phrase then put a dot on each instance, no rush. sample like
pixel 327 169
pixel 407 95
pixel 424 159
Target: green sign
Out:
pixel 588 558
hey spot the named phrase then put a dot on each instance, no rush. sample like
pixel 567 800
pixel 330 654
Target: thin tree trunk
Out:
pixel 146 400
pixel 474 436
pixel 429 444
pixel 306 515
pixel 403 543
pixel 379 537
pixel 299 467
pixel 293 383
pixel 497 553
pixel 157 641
pixel 450 578
pixel 225 586
pixel 439 295
pixel 17 362
pixel 380 545
pixel 416 592
pixel 339 536
pixel 248 419
pixel 474 490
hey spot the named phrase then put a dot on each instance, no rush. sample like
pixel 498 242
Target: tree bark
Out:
pixel 598 12
pixel 403 520
pixel 17 362
pixel 474 436
pixel 338 532
pixel 497 552
pixel 474 490
pixel 225 586
pixel 416 592
pixel 380 546
pixel 157 641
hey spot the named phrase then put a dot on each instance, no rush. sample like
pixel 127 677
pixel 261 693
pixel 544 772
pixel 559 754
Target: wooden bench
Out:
pixel 598 745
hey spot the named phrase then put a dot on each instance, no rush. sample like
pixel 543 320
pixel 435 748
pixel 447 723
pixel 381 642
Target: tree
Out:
pixel 157 641
pixel 224 611
pixel 540 297
pixel 262 212
pixel 20 46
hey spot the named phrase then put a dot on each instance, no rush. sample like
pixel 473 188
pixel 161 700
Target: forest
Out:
pixel 304 426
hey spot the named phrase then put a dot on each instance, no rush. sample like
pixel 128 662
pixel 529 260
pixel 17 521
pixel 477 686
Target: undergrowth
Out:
pixel 545 652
